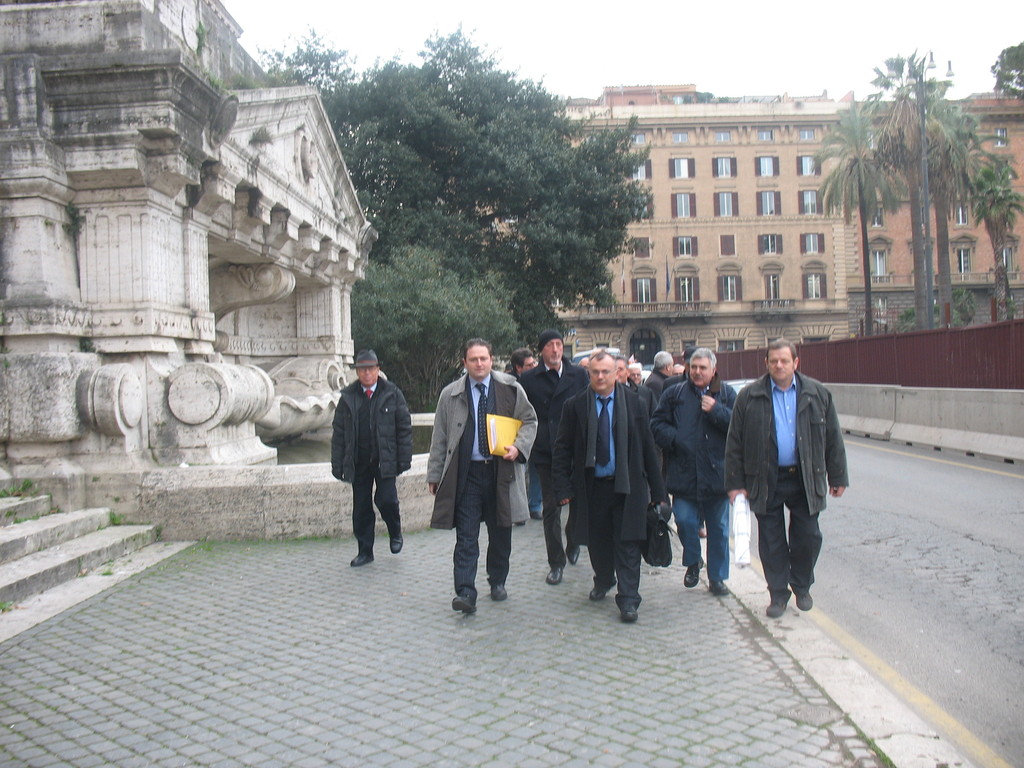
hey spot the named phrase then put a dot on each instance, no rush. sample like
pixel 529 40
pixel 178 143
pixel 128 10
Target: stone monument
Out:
pixel 177 249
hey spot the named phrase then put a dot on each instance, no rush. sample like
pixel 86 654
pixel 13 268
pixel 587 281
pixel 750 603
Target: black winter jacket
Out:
pixel 389 421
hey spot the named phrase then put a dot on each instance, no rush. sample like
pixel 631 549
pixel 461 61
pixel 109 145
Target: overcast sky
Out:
pixel 732 48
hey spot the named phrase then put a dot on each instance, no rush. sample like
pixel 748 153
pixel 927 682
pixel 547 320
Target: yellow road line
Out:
pixel 977 750
pixel 940 461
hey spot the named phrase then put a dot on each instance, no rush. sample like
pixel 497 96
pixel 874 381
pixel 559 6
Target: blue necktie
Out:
pixel 604 432
pixel 481 422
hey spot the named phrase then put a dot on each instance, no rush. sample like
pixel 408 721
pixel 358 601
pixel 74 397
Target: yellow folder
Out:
pixel 501 433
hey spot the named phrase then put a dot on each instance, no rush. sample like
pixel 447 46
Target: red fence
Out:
pixel 976 357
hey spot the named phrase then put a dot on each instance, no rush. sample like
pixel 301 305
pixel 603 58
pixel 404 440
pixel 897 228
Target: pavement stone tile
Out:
pixel 181 664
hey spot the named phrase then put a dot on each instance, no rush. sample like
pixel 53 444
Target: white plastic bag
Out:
pixel 741 530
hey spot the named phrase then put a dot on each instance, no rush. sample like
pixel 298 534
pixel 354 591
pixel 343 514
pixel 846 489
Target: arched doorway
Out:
pixel 644 344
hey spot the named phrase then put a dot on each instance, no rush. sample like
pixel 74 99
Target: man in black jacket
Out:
pixel 548 387
pixel 605 459
pixel 372 444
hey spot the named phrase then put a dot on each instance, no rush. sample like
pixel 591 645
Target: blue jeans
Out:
pixel 534 496
pixel 715 511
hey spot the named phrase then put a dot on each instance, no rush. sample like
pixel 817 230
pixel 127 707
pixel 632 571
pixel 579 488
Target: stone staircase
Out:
pixel 50 561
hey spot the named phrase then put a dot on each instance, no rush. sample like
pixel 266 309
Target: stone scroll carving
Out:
pixel 241 285
pixel 212 394
pixel 306 393
pixel 111 398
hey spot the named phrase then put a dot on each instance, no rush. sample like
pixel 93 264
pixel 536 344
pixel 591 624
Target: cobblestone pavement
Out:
pixel 280 654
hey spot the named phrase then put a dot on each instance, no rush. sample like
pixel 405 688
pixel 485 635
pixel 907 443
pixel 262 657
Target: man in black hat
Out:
pixel 548 386
pixel 372 445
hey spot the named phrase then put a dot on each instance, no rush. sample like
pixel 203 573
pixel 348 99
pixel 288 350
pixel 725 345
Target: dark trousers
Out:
pixel 613 559
pixel 478 503
pixel 363 498
pixel 552 516
pixel 788 562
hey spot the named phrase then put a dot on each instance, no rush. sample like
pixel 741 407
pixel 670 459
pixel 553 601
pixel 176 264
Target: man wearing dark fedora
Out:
pixel 372 446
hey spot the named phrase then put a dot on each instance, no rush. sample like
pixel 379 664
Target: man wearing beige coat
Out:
pixel 469 483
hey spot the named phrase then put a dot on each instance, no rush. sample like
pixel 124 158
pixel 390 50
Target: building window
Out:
pixel 642 247
pixel 723 137
pixel 806 134
pixel 1006 257
pixel 878 267
pixel 730 345
pixel 684 205
pixel 723 167
pixel 765 134
pixel 769 244
pixel 680 137
pixel 878 220
pixel 767 166
pixel 812 242
pixel 814 285
pixel 639 138
pixel 686 246
pixel 727 245
pixel 642 172
pixel 726 204
pixel 1000 137
pixel 643 289
pixel 769 203
pixel 729 288
pixel 963 260
pixel 687 289
pixel 805 166
pixel 681 168
pixel 772 289
pixel 809 201
pixel 962 216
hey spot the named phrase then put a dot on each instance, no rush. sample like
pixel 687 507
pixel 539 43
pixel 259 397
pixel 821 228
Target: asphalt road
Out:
pixel 923 563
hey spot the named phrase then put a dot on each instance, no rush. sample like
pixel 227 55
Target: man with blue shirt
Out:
pixel 785 450
pixel 604 457
pixel 470 484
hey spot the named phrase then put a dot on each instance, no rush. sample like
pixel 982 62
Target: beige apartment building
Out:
pixel 735 249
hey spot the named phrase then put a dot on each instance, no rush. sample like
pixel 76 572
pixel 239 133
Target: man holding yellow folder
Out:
pixel 473 480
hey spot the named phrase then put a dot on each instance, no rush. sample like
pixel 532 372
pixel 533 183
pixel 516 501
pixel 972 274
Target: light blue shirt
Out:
pixel 475 404
pixel 607 470
pixel 784 406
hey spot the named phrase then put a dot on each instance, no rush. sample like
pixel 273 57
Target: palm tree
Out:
pixel 898 147
pixel 954 156
pixel 858 182
pixel 996 205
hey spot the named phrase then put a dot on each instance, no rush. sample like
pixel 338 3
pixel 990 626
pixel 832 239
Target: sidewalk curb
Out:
pixel 884 718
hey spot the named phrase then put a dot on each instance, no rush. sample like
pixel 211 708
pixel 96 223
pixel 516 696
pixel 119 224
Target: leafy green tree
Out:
pixel 464 159
pixel 1009 71
pixel 311 63
pixel 417 316
pixel 858 182
pixel 996 205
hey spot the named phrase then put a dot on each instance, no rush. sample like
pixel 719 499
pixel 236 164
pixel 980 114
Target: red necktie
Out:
pixel 369 394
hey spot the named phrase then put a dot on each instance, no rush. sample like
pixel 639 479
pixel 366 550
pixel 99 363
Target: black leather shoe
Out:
pixel 775 610
pixel 521 522
pixel 628 616
pixel 718 588
pixel 361 559
pixel 804 601
pixel 396 544
pixel 536 515
pixel 555 577
pixel 692 576
pixel 498 593
pixel 572 554
pixel 464 603
pixel 598 594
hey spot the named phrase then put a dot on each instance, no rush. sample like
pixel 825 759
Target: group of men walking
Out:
pixel 605 450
